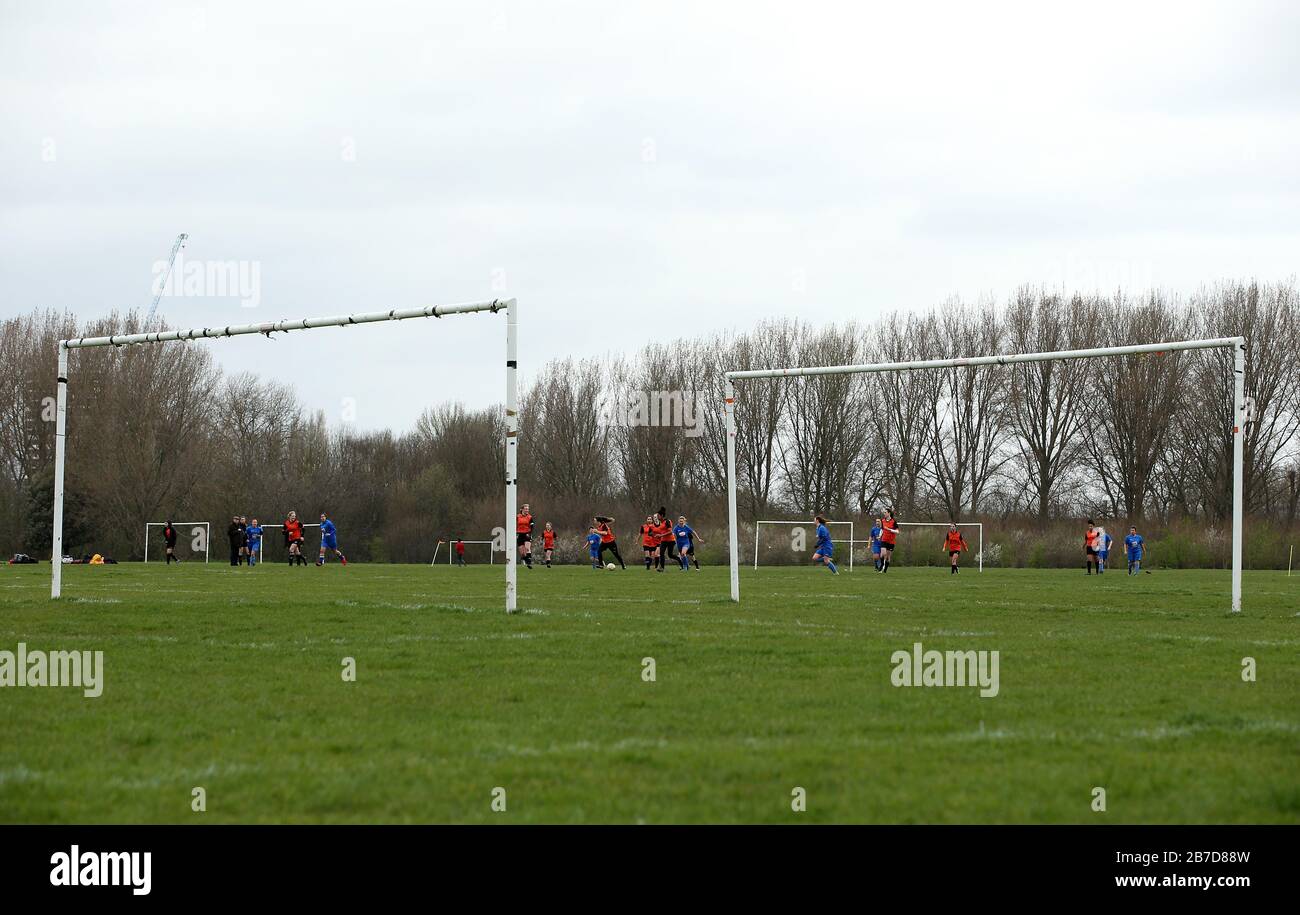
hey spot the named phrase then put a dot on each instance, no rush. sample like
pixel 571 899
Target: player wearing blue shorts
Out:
pixel 875 543
pixel 254 534
pixel 825 550
pixel 1136 548
pixel 329 540
pixel 684 534
pixel 1101 543
pixel 593 545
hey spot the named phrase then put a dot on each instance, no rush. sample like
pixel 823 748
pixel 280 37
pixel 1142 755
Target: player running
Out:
pixel 169 538
pixel 253 533
pixel 548 543
pixel 666 539
pixel 650 542
pixel 293 539
pixel 1136 548
pixel 888 539
pixel 954 543
pixel 685 535
pixel 524 535
pixel 825 551
pixel 875 543
pixel 664 536
pixel 594 547
pixel 1089 548
pixel 607 540
pixel 329 540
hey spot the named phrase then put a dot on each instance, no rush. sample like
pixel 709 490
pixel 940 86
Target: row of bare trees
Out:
pixel 159 432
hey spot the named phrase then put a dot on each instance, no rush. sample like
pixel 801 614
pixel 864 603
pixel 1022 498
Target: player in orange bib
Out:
pixel 888 539
pixel 650 542
pixel 954 543
pixel 604 527
pixel 1089 548
pixel 548 543
pixel 524 535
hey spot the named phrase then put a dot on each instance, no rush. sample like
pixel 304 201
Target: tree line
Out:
pixel 159 432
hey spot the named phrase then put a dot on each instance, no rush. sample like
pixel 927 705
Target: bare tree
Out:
pixel 969 414
pixel 1047 398
pixel 1131 403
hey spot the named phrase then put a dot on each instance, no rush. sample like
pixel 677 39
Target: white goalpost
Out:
pixel 509 306
pixel 194 527
pixel 758 527
pixel 451 550
pixel 1236 344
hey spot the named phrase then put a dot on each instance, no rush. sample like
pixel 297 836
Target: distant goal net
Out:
pixel 925 544
pixel 477 552
pixel 192 540
pixel 274 541
pixel 793 542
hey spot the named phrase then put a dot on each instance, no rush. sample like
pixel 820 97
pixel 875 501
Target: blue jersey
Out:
pixel 327 528
pixel 254 533
pixel 683 533
pixel 875 539
pixel 824 545
pixel 1134 543
pixel 593 542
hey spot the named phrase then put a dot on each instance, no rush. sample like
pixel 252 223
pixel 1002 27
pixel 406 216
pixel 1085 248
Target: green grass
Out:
pixel 230 680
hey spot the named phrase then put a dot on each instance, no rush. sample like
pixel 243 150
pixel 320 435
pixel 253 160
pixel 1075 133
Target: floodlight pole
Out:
pixel 1237 344
pixel 509 306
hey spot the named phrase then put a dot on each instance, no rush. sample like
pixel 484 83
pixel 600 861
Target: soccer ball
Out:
pixel 609 567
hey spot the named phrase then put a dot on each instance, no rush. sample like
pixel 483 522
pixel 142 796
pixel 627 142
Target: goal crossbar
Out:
pixel 509 306
pixel 1236 344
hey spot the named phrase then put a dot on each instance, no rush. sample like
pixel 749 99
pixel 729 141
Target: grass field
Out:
pixel 231 680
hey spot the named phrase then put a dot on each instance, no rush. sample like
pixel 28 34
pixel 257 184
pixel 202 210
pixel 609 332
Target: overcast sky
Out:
pixel 630 172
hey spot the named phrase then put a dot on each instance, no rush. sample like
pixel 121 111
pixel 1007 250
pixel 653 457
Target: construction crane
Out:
pixel 171 260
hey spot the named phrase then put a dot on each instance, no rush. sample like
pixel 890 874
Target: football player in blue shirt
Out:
pixel 254 534
pixel 593 545
pixel 685 536
pixel 329 540
pixel 825 548
pixel 875 543
pixel 1136 548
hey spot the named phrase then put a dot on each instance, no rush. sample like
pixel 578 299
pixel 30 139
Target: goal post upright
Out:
pixel 1238 462
pixel 512 450
pixel 733 525
pixel 60 456
pixel 509 306
pixel 1236 344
